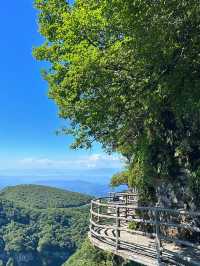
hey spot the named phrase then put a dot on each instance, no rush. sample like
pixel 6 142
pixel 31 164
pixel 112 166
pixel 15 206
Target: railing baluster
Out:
pixel 126 202
pixel 117 227
pixel 157 238
pixel 98 211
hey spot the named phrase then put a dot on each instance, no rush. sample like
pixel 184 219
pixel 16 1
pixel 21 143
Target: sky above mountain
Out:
pixel 29 145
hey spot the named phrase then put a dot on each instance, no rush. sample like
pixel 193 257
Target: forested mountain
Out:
pixel 39 226
pixel 42 197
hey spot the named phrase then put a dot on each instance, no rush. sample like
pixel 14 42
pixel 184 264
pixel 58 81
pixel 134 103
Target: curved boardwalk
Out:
pixel 146 235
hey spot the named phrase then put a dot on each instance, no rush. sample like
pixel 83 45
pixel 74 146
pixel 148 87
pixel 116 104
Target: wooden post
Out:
pixel 110 196
pixel 157 239
pixel 117 226
pixel 98 210
pixel 126 202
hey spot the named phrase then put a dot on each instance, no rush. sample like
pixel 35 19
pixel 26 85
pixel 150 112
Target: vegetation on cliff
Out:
pixel 88 255
pixel 32 236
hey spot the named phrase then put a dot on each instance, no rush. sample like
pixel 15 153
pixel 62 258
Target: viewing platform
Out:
pixel 146 235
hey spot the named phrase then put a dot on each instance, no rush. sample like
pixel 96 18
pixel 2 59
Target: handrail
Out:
pixel 143 208
pixel 116 214
pixel 185 226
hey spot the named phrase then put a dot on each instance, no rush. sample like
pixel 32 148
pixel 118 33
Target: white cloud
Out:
pixel 93 161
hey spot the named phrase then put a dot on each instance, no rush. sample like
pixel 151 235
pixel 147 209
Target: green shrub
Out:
pixel 132 225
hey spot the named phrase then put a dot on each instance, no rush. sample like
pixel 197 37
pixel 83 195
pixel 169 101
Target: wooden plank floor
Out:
pixel 142 249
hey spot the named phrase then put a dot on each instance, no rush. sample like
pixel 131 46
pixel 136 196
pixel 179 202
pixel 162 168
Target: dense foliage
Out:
pixel 88 255
pixel 30 236
pixel 41 197
pixel 126 74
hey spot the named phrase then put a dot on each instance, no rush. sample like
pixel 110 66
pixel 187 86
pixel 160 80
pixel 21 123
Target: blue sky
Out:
pixel 28 119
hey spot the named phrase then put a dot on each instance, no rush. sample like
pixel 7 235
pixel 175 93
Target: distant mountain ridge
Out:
pixel 80 186
pixel 97 190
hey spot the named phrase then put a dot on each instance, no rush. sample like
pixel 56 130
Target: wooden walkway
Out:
pixel 146 235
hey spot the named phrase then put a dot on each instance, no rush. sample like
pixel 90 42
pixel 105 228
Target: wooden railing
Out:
pixel 117 219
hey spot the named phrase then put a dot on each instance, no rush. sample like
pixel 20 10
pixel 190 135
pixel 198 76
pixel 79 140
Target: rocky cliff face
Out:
pixel 176 194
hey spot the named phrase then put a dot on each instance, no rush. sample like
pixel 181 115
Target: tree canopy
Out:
pixel 126 74
pixel 39 231
pixel 42 197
